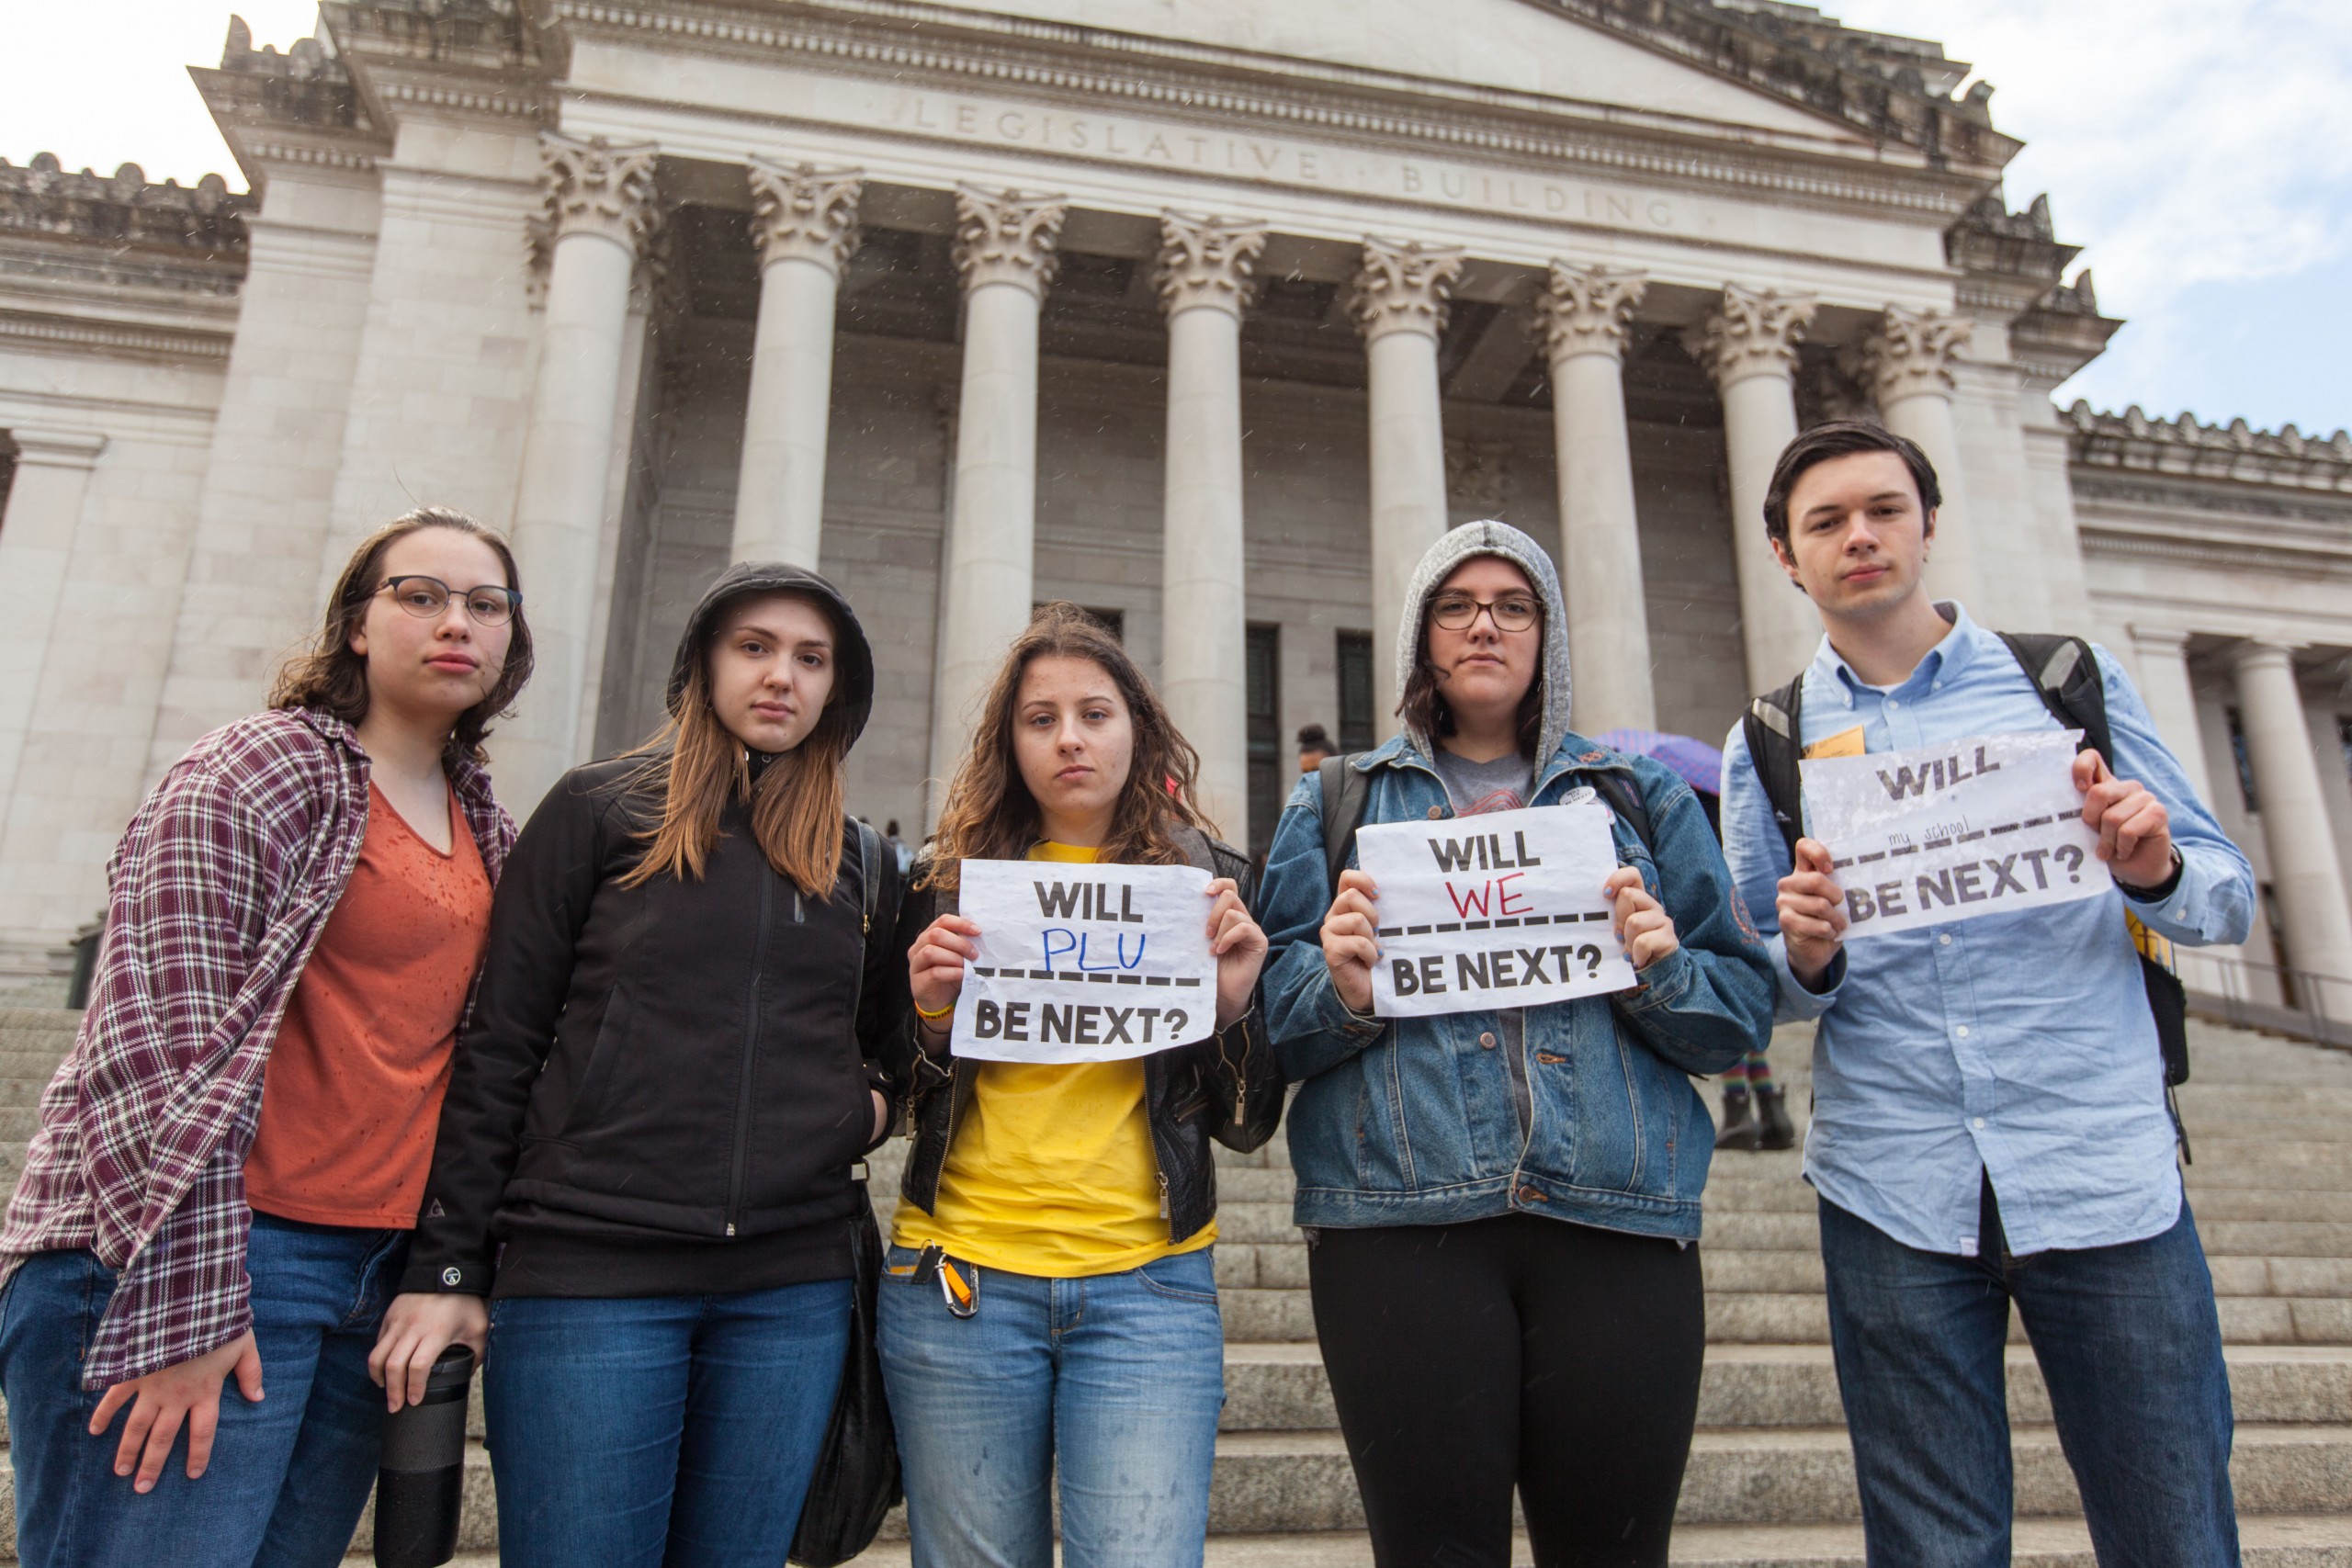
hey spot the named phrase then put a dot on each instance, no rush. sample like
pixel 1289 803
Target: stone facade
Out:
pixel 929 293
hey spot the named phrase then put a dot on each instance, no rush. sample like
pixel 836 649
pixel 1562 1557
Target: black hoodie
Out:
pixel 664 1088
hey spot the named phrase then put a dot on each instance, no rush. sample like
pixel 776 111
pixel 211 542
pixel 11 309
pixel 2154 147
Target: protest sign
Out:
pixel 1948 833
pixel 1500 911
pixel 1084 962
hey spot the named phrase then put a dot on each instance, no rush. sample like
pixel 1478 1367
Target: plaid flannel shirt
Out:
pixel 217 893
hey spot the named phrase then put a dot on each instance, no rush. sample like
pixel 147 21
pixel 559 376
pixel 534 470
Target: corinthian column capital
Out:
pixel 1911 353
pixel 1404 288
pixel 1002 236
pixel 1206 261
pixel 594 187
pixel 800 212
pixel 1586 310
pixel 1754 333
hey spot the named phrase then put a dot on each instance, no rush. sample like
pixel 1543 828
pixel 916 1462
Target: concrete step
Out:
pixel 2271 1541
pixel 1758 1317
pixel 1294 1480
pixel 1282 1387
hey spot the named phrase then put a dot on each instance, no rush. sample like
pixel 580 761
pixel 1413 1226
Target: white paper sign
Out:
pixel 1084 962
pixel 1498 910
pixel 1943 833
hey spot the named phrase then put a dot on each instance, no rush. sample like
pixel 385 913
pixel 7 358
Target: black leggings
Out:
pixel 1466 1357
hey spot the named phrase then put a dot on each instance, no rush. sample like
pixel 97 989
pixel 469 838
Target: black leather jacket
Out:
pixel 1228 1087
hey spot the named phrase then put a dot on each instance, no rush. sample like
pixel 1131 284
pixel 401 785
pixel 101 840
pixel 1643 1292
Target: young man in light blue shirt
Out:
pixel 1990 1125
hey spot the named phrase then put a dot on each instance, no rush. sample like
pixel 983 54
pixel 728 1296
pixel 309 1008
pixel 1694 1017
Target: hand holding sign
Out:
pixel 1948 833
pixel 1510 909
pixel 1085 962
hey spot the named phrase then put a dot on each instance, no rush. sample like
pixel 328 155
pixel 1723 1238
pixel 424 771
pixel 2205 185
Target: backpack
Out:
pixel 2066 675
pixel 1347 790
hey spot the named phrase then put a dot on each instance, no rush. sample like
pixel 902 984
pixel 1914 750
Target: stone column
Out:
pixel 36 541
pixel 2295 824
pixel 600 203
pixel 1749 346
pixel 1004 253
pixel 1906 364
pixel 2171 697
pixel 804 220
pixel 1583 318
pixel 1401 295
pixel 1205 266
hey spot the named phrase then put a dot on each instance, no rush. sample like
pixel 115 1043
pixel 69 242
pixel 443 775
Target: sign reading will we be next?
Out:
pixel 1500 911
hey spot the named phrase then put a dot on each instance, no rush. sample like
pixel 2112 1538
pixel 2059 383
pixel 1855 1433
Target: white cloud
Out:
pixel 2184 143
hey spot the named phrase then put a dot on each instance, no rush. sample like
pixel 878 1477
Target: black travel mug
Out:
pixel 421 1485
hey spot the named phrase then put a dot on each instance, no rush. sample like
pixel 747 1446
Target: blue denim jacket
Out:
pixel 1413 1122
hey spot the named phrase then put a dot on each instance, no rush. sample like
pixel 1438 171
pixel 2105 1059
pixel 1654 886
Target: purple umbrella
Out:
pixel 1699 765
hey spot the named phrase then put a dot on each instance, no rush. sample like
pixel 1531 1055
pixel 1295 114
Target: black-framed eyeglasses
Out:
pixel 1459 611
pixel 427 597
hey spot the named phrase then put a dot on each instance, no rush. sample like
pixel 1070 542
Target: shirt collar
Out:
pixel 1949 657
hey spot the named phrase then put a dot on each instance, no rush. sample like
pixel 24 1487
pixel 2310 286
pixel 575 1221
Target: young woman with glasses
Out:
pixel 1049 1308
pixel 1501 1205
pixel 646 1160
pixel 229 1161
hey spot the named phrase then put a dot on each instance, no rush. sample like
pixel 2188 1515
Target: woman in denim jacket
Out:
pixel 1502 1206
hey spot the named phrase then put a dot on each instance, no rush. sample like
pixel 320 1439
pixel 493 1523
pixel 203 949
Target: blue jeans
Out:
pixel 634 1432
pixel 289 1475
pixel 1116 1378
pixel 2130 1348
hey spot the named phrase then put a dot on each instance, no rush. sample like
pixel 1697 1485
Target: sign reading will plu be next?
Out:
pixel 1498 910
pixel 1084 962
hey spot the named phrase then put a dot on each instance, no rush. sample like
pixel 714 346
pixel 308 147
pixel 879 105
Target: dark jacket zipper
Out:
pixel 750 1054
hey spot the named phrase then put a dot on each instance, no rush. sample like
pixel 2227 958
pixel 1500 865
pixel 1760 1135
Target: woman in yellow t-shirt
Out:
pixel 1050 1308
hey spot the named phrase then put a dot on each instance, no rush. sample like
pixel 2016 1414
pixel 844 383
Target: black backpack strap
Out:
pixel 1773 730
pixel 1346 793
pixel 2066 675
pixel 869 864
pixel 1624 797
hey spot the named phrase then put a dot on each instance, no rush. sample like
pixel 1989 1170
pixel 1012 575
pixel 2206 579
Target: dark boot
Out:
pixel 1777 1132
pixel 1740 1129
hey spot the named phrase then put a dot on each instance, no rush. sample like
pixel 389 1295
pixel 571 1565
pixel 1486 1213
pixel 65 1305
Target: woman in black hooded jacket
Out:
pixel 644 1160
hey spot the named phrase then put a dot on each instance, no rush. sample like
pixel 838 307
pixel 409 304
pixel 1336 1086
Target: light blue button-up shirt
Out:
pixel 2018 1045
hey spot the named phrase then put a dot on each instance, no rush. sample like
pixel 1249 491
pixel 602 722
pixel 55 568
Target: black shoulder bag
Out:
pixel 856 1479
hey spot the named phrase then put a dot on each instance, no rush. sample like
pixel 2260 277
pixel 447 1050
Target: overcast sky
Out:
pixel 2201 153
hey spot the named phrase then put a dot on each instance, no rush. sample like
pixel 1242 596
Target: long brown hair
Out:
pixel 991 815
pixel 697 766
pixel 332 679
pixel 1425 710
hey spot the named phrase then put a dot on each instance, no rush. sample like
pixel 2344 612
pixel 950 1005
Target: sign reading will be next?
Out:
pixel 1500 911
pixel 1941 833
pixel 1082 963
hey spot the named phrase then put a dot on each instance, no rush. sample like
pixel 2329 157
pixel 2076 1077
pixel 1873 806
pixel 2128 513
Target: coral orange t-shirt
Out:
pixel 351 1095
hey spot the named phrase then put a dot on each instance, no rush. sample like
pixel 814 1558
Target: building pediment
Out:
pixel 1663 60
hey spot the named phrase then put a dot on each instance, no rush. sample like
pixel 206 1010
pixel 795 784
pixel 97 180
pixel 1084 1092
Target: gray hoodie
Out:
pixel 1459 545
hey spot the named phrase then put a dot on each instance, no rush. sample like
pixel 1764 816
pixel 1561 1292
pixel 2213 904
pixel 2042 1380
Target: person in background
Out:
pixel 1989 1125
pixel 229 1160
pixel 1501 1206
pixel 647 1156
pixel 1049 1310
pixel 1314 745
pixel 898 849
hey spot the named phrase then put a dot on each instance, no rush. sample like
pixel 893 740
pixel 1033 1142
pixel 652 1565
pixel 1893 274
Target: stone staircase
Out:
pixel 1770 1479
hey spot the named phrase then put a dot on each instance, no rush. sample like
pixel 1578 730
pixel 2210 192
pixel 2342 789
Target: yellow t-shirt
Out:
pixel 1052 1172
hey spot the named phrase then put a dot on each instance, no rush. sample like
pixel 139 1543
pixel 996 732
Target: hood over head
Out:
pixel 1457 545
pixel 853 655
